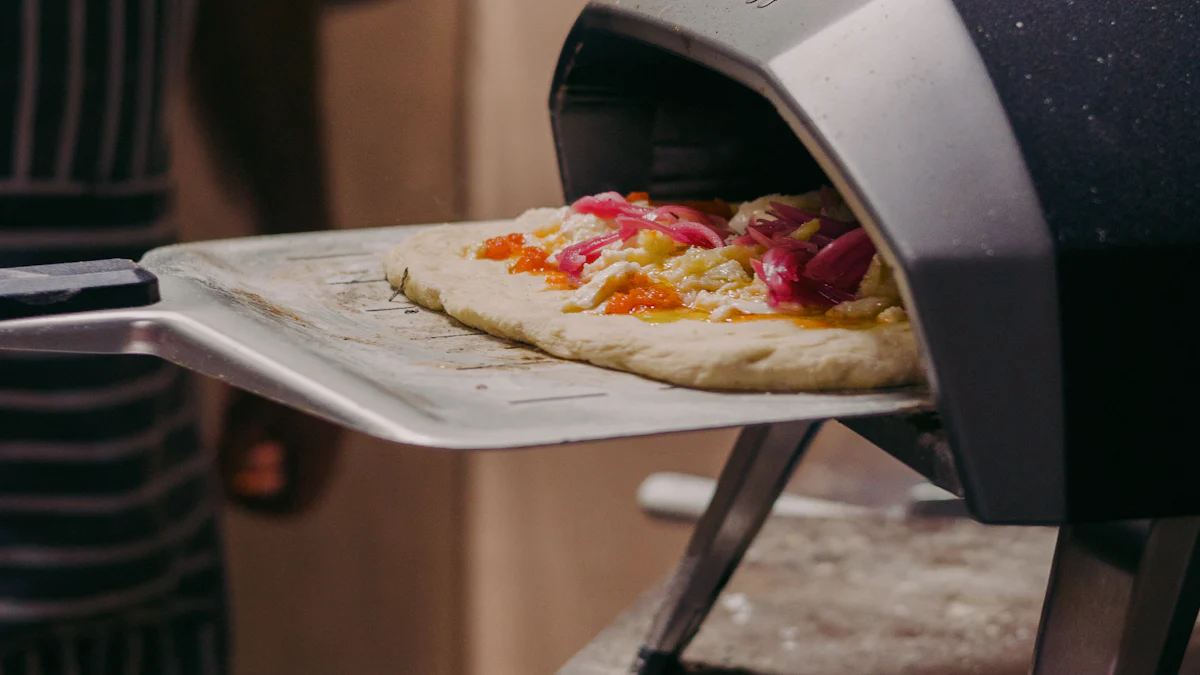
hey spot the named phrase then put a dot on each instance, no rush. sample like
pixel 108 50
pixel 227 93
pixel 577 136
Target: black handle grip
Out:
pixel 75 287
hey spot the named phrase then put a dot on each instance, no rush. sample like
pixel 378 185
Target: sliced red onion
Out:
pixel 784 241
pixel 682 231
pixel 572 258
pixel 854 273
pixel 773 227
pixel 830 293
pixel 780 270
pixel 783 271
pixel 608 205
pixel 680 213
pixel 833 261
pixel 720 224
pixel 830 227
pixel 698 234
pixel 800 216
pixel 779 263
pixel 756 235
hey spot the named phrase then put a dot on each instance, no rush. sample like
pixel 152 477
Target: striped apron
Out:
pixel 109 549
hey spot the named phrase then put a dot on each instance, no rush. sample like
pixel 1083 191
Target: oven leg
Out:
pixel 754 476
pixel 1122 599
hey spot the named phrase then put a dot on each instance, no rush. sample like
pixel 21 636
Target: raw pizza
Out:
pixel 783 293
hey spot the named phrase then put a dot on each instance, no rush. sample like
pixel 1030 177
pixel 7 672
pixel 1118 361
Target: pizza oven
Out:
pixel 1032 170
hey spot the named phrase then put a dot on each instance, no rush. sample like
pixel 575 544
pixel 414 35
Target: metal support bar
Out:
pixel 754 476
pixel 1120 601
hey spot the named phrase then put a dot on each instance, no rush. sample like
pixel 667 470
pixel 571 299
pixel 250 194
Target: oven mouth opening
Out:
pixel 630 116
pixel 633 117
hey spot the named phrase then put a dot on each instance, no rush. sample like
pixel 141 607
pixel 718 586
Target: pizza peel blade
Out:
pixel 309 320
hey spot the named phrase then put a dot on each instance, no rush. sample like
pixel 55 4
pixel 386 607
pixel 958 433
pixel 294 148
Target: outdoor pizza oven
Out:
pixel 1031 168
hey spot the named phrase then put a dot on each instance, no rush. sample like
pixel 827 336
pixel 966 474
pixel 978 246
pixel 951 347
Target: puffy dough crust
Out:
pixel 751 356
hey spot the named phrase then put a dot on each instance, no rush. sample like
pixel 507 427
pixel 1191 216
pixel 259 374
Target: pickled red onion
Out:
pixel 830 227
pixel 781 269
pixel 679 213
pixel 572 258
pixel 608 205
pixel 683 231
pixel 843 254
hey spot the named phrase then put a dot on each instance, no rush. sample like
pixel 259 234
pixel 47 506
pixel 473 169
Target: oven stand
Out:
pixel 754 476
pixel 1122 599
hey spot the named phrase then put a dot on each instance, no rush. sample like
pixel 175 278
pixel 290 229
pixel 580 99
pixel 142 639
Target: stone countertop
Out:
pixel 864 595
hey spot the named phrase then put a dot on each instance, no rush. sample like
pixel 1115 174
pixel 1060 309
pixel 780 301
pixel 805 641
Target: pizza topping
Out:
pixel 642 299
pixel 806 231
pixel 830 227
pixel 608 205
pixel 699 269
pixel 685 232
pixel 844 261
pixel 503 248
pixel 572 258
pixel 892 315
pixel 533 259
pixel 865 308
pixel 721 307
pixel 528 259
pixel 604 284
pixel 781 269
pixel 792 256
pixel 755 210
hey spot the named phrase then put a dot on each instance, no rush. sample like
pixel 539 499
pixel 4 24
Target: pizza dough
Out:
pixel 777 355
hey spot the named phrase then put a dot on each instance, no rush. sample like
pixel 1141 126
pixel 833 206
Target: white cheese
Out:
pixel 602 285
pixel 879 281
pixel 863 308
pixel 721 307
pixel 579 227
pixel 687 271
pixel 648 248
pixel 748 211
pixel 727 273
pixel 892 315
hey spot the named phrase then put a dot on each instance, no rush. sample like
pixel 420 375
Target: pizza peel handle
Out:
pixel 75 287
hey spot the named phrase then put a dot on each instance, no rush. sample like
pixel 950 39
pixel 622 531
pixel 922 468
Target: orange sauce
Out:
pixel 807 321
pixel 503 248
pixel 559 281
pixel 525 259
pixel 643 299
pixel 532 259
pixel 810 321
pixel 672 315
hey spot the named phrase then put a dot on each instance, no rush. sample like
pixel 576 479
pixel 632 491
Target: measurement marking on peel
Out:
pixel 506 365
pixel 354 281
pixel 548 399
pixel 326 256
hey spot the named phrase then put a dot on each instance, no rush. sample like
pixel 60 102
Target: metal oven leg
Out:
pixel 754 476
pixel 1122 599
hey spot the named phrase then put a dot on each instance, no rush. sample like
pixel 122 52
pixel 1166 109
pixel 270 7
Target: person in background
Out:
pixel 110 557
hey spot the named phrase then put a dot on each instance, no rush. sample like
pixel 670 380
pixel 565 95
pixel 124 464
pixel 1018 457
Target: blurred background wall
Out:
pixel 422 561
